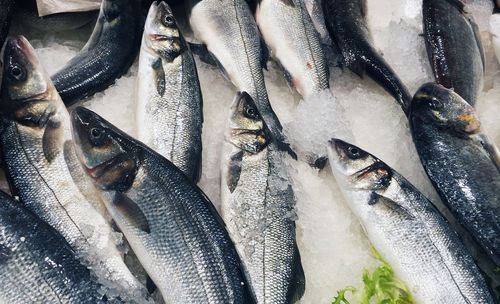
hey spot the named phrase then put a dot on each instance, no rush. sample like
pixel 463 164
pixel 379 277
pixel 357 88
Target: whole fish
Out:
pixel 231 36
pixel 169 102
pixel 258 207
pixel 42 167
pixel 6 11
pixel 315 10
pixel 454 48
pixel 168 221
pixel 407 230
pixel 37 265
pixel 108 54
pixel 290 34
pixel 345 21
pixel 461 162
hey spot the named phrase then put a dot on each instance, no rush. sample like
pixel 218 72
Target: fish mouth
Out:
pixel 238 131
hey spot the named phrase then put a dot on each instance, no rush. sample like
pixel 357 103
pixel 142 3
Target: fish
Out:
pixel 460 160
pixel 170 224
pixel 42 168
pixel 107 55
pixel 6 11
pixel 289 33
pixel 169 101
pixel 257 205
pixel 406 229
pixel 495 34
pixel 228 31
pixel 454 47
pixel 346 23
pixel 315 10
pixel 37 265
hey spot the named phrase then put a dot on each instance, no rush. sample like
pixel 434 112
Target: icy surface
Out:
pixel 333 247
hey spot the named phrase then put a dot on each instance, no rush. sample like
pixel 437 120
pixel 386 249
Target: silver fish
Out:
pixel 168 221
pixel 258 207
pixel 169 102
pixel 407 230
pixel 315 10
pixel 42 167
pixel 229 31
pixel 37 265
pixel 290 34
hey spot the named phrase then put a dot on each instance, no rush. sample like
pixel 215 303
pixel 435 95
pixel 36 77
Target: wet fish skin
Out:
pixel 407 230
pixel 108 54
pixel 315 10
pixel 461 162
pixel 230 33
pixel 170 224
pixel 42 168
pixel 289 32
pixel 454 47
pixel 6 11
pixel 258 208
pixel 169 101
pixel 345 21
pixel 36 264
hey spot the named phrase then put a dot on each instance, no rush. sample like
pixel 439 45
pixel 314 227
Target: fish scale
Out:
pixel 288 30
pixel 169 118
pixel 258 209
pixel 36 263
pixel 407 230
pixel 230 33
pixel 170 224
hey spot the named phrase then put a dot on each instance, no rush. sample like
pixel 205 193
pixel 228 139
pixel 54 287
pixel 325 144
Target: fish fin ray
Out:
pixel 299 279
pixel 385 202
pixel 52 140
pixel 202 52
pixel 357 66
pixel 131 211
pixel 264 53
pixel 159 74
pixel 234 171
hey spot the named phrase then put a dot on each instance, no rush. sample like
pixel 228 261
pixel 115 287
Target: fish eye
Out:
pixel 435 104
pixel 95 133
pixel 354 153
pixel 17 72
pixel 250 112
pixel 168 20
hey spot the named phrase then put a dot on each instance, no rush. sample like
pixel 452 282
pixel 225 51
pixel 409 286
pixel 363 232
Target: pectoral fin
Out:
pixel 131 212
pixel 392 207
pixel 52 140
pixel 234 171
pixel 159 75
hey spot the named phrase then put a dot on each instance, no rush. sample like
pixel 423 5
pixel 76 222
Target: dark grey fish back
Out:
pixel 203 231
pixel 97 67
pixel 36 263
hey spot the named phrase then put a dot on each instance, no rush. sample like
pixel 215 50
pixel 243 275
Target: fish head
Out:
pixel 161 33
pixel 437 105
pixel 355 168
pixel 106 153
pixel 247 129
pixel 28 95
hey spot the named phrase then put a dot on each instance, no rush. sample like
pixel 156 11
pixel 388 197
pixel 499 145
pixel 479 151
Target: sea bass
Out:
pixel 315 10
pixel 461 162
pixel 290 34
pixel 258 207
pixel 168 221
pixel 407 230
pixel 169 102
pixel 230 34
pixel 108 54
pixel 454 47
pixel 345 21
pixel 41 163
pixel 37 265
